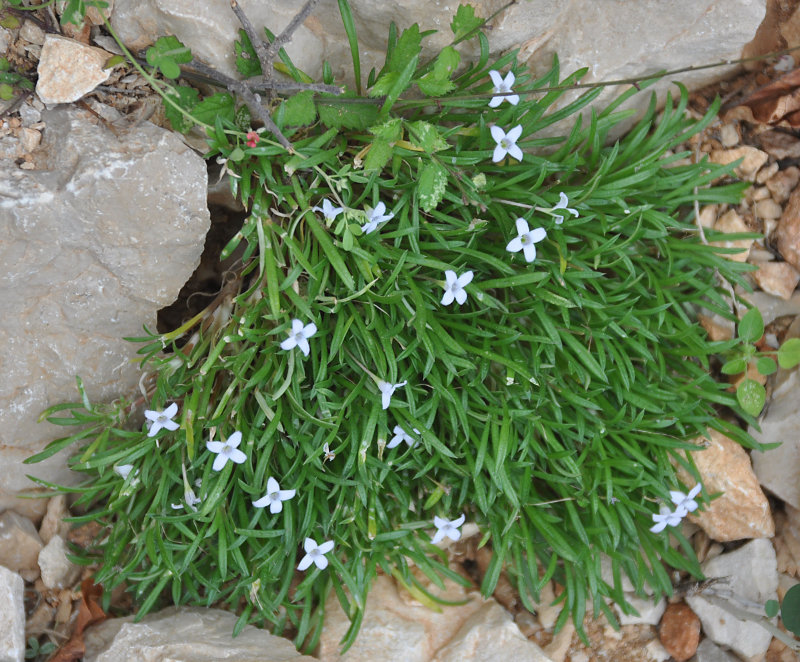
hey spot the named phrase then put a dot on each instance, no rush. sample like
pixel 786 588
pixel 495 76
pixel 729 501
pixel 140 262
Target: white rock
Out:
pixel 94 242
pixel 650 611
pixel 489 635
pixel 19 542
pixel 183 634
pixel 753 574
pixel 708 651
pixel 57 570
pixel 12 616
pixel 69 69
pixel 53 522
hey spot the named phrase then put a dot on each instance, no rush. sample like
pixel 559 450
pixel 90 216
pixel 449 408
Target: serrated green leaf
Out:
pixel 437 82
pixel 187 98
pixel 407 49
pixel 751 396
pixel 219 105
pixel 426 136
pixel 300 109
pixel 751 326
pixel 432 185
pixel 357 116
pixel 73 12
pixel 166 54
pixel 384 84
pixel 378 155
pixel 766 365
pixel 789 354
pixel 734 367
pixel 390 130
pixel 464 21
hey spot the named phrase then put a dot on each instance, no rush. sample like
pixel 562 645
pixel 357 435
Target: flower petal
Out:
pixel 461 297
pixel 515 152
pixel 459 521
pixel 563 201
pixel 305 562
pixel 515 245
pixel 302 343
pixel 275 507
pixel 694 491
pixel 658 527
pixel 448 297
pixel 395 441
pixel 509 80
pixel 465 278
pixel 386 399
pixel 262 502
pixel 297 326
pixel 238 456
pixel 499 153
pixel 170 411
pixel 219 462
pixel 522 226
pixel 537 234
pixel 439 522
pixel 437 537
pixel 495 102
pixel 326 547
pixel 529 252
pixel 514 134
pixel 497 133
pixel 235 439
pixel 151 414
pixel 450 277
pixel 272 485
pixel 215 446
pixel 309 545
pixel 321 562
pixel 289 343
pixel 285 495
pixel 454 534
pixel 513 99
pixel 171 425
pixel 309 330
pixel 497 79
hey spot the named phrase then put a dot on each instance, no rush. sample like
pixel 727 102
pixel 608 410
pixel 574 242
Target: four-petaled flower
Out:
pixel 315 554
pixel 191 500
pixel 299 336
pixel 401 435
pixel 161 419
pixel 447 528
pixel 526 240
pixel 454 287
pixel 375 217
pixel 562 204
pixel 387 390
pixel 685 503
pixel 227 451
pixel 274 496
pixel 329 212
pixel 124 470
pixel 252 138
pixel 665 518
pixel 503 87
pixel 506 143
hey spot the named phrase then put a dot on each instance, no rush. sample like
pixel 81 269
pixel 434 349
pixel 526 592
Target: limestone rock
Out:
pixel 752 159
pixel 19 542
pixel 782 183
pixel 53 522
pixel 731 223
pixel 614 40
pixel 742 511
pixel 708 651
pixel 778 278
pixel 489 635
pixel 788 232
pixel 12 617
pixel 773 307
pixel 57 570
pixel 101 235
pixel 680 631
pixel 69 69
pixel 184 634
pixel 650 611
pixel 753 575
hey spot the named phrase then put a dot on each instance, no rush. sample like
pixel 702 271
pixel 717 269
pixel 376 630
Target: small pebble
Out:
pixel 729 136
pixel 768 209
pixel 32 33
pixel 782 183
pixel 766 172
pixel 760 193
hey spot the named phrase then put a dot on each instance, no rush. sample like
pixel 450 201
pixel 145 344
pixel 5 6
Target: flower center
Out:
pixel 298 336
pixel 314 553
pixel 162 418
pixel 505 143
pixel 227 450
pixel 526 239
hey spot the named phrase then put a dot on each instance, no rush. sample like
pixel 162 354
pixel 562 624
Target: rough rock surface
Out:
pixel 650 611
pixel 19 542
pixel 742 511
pixel 788 232
pixel 708 651
pixel 753 575
pixel 182 634
pixel 69 69
pixel 612 39
pixel 93 242
pixel 12 616
pixel 53 522
pixel 680 631
pixel 403 629
pixel 778 278
pixel 57 570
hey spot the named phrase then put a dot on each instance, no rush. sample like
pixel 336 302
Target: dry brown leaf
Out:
pixel 89 612
pixel 777 102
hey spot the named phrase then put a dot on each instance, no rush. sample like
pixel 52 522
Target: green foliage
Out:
pixel 790 610
pixel 167 54
pixel 36 650
pixel 551 408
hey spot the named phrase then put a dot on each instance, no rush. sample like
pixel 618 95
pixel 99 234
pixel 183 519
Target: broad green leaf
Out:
pixel 390 130
pixel 751 396
pixel 734 366
pixel 6 91
pixel 437 82
pixel 300 109
pixel 407 49
pixel 337 113
pixel 378 155
pixel 789 353
pixel 790 610
pixel 74 12
pixel 166 54
pixel 220 104
pixel 771 608
pixel 751 326
pixel 426 136
pixel 187 98
pixel 766 365
pixel 435 87
pixel 432 186
pixel 246 60
pixel 464 21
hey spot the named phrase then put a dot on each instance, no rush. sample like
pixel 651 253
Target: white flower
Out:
pixel 124 469
pixel 191 500
pixel 447 528
pixel 665 518
pixel 274 496
pixel 685 503
pixel 161 419
pixel 506 143
pixel 227 451
pixel 375 217
pixel 526 240
pixel 562 204
pixel 503 86
pixel 401 435
pixel 328 210
pixel 454 287
pixel 387 390
pixel 315 554
pixel 299 336
pixel 329 455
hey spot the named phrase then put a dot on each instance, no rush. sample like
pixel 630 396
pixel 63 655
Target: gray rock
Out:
pixel 182 634
pixel 93 242
pixel 12 617
pixel 753 573
pixel 650 611
pixel 19 542
pixel 57 570
pixel 53 522
pixel 708 651
pixel 613 39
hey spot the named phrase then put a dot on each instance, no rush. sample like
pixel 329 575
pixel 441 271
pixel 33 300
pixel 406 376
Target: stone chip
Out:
pixel 68 70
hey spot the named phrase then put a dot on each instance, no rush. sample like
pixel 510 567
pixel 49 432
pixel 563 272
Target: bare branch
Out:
pixel 286 36
pixel 255 39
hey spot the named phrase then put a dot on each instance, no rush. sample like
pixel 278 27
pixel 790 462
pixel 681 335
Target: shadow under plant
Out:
pixel 440 316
